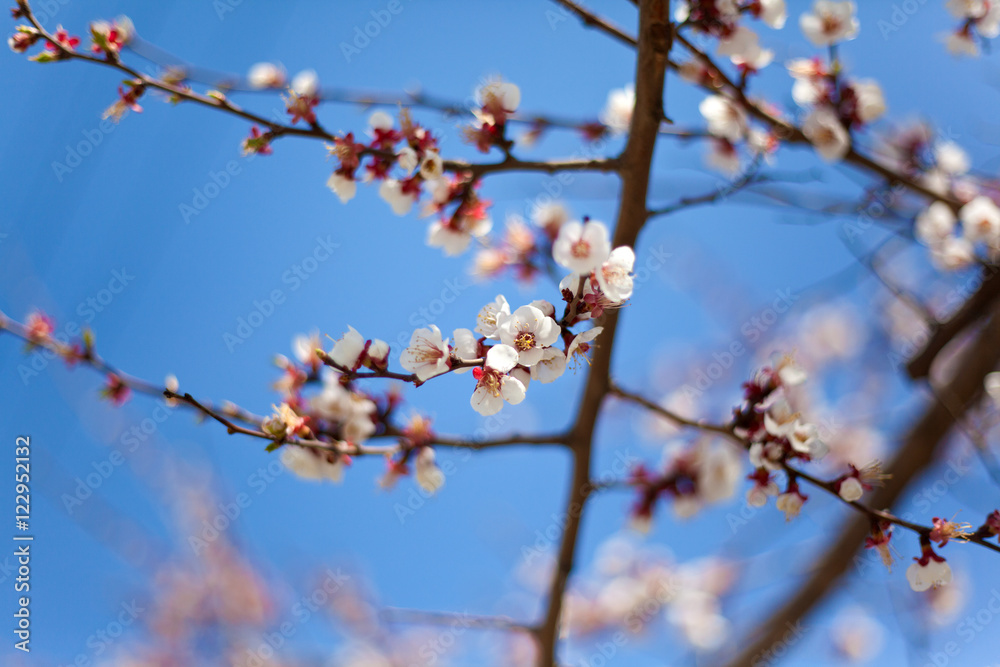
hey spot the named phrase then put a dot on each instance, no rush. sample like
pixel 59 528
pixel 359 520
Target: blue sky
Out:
pixel 67 233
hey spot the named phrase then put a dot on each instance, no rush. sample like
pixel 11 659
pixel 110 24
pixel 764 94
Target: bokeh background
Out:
pixel 63 234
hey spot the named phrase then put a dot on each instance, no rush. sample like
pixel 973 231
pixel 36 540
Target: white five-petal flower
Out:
pixel 582 247
pixel 494 385
pixel 428 354
pixel 528 330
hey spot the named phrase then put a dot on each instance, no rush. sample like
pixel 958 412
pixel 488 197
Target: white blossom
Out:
pixel 725 118
pixel 869 100
pixel 494 385
pixel 429 475
pixel 550 367
pixel 851 489
pixel 466 347
pixel 401 202
pixel 830 22
pixel 827 134
pixel 773 13
pixel 427 354
pixel 528 331
pixel 492 315
pixel 617 113
pixel 348 349
pixel 953 253
pixel 343 186
pixel 306 83
pixel 935 223
pixel 582 247
pixel 407 159
pixel 922 577
pixel 980 220
pixel 615 275
pixel 743 48
pixel 266 75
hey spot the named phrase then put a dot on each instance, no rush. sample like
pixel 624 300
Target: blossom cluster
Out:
pixel 979 19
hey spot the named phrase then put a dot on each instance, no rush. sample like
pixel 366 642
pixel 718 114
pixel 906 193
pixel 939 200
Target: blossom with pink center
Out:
pixel 428 354
pixel 258 143
pixel 23 39
pixel 945 530
pixel 582 247
pixel 111 37
pixel 498 99
pixel 581 344
pixel 494 385
pixel 400 198
pixel 615 275
pixel 39 326
pixel 116 390
pixel 980 220
pixel 830 22
pixel 725 118
pixel 824 130
pixel 528 331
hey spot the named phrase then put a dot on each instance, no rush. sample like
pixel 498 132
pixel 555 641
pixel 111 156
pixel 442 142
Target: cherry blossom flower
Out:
pixel 257 143
pixel 722 155
pixel 39 326
pixel 454 236
pixel 407 159
pixel 719 469
pixel 550 217
pixel 64 40
pixel 304 347
pixel 493 384
pixel 614 276
pixel 984 15
pixel 528 331
pixel 111 37
pixel 306 83
pixel 428 354
pixel 285 422
pixel 23 39
pixel 491 316
pixel 349 350
pixel 343 186
pixel 763 487
pixel 498 99
pixel 127 101
pixel 930 570
pixel 962 43
pixel 790 502
pixel 868 102
pixel 313 464
pixel 617 112
pixel 824 130
pixel 466 347
pixel 830 22
pixel 115 390
pixel 580 345
pixel 582 247
pixel 398 196
pixel 725 118
pixel 935 224
pixel 953 253
pixel 266 75
pixel 772 12
pixel 879 540
pixel 743 48
pixel 980 220
pixel 850 489
pixel 429 475
pixel 945 530
pixel 432 166
pixel 550 367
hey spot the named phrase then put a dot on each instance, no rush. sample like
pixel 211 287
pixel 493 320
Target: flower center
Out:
pixel 524 341
pixel 491 382
pixel 580 249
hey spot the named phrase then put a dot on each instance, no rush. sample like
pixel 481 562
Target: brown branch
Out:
pixel 651 65
pixel 914 455
pixel 973 310
pixel 592 20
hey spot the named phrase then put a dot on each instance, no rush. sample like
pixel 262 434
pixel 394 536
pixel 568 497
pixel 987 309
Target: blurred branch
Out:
pixel 914 455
